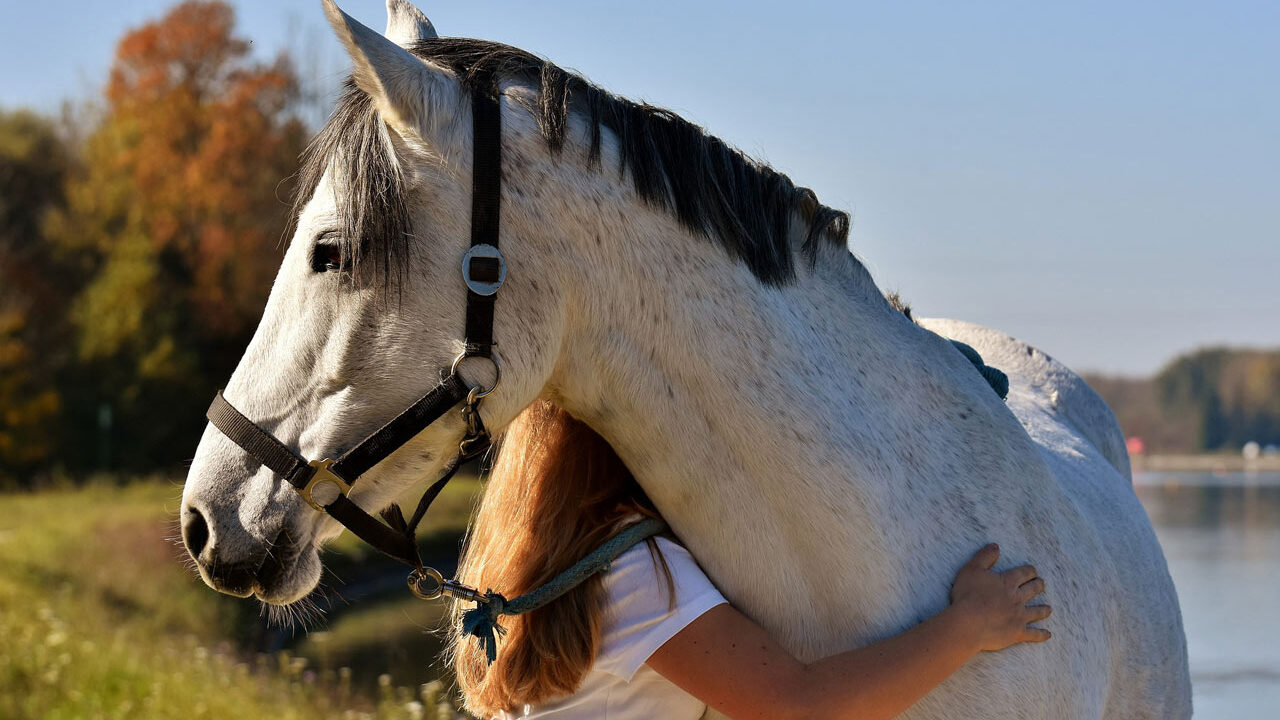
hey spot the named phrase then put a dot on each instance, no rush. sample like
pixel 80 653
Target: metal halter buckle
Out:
pixel 484 285
pixel 476 439
pixel 428 584
pixel 323 475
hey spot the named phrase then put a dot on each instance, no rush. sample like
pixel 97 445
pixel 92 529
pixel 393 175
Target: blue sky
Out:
pixel 1100 179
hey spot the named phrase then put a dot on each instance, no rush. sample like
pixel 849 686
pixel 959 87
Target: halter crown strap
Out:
pixel 486 212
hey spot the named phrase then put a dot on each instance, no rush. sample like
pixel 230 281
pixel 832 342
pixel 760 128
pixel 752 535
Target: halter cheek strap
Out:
pixel 483 270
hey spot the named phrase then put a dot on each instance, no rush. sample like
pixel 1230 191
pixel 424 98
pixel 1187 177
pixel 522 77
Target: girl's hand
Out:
pixel 992 606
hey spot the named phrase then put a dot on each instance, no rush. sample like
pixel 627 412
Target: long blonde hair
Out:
pixel 556 491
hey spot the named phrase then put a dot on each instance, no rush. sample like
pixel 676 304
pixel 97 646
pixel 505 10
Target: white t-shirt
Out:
pixel 637 620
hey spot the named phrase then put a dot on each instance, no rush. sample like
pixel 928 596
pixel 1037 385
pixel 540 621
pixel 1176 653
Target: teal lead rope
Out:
pixel 481 622
pixel 994 377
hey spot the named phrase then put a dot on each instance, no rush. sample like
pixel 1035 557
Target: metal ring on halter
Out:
pixel 497 372
pixel 426 583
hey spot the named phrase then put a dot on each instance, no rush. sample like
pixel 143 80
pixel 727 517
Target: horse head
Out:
pixel 366 310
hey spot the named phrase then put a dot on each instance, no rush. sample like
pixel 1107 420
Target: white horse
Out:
pixel 829 462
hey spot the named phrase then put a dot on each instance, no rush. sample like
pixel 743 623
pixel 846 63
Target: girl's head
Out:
pixel 556 491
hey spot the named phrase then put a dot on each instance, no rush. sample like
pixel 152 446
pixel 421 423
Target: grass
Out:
pixel 99 618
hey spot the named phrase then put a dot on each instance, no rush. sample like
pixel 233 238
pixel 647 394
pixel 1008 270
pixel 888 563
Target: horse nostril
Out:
pixel 195 531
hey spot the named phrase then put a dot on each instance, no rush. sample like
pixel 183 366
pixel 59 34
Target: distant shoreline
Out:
pixel 1225 462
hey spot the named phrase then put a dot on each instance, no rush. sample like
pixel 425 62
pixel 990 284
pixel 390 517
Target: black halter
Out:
pixel 483 270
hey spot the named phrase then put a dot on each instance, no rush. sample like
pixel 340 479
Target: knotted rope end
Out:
pixel 481 622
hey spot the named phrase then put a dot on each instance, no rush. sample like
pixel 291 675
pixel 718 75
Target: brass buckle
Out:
pixel 322 475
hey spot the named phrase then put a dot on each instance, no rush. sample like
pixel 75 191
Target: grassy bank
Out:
pixel 100 618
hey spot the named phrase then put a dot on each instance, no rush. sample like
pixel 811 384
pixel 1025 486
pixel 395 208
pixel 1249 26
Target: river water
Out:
pixel 1221 536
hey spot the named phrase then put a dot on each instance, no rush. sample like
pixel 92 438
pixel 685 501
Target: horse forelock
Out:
pixel 369 187
pixel 713 189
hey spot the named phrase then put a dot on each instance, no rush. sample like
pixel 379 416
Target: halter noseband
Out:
pixel 483 270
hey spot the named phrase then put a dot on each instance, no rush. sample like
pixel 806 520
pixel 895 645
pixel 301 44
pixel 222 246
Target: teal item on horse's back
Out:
pixel 994 377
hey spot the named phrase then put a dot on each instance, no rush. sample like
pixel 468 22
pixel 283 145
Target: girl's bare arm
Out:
pixel 729 662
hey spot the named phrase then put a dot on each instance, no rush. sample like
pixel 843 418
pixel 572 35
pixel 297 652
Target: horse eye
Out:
pixel 326 257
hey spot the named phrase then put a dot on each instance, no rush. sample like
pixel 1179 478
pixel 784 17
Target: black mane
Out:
pixel 712 188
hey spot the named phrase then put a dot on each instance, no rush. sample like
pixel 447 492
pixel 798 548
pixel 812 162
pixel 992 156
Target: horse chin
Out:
pixel 286 580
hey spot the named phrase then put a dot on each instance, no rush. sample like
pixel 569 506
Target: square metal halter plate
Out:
pixel 484 269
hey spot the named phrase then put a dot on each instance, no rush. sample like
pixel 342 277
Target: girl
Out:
pixel 652 638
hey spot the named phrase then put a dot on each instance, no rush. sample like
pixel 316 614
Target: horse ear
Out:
pixel 406 24
pixel 402 86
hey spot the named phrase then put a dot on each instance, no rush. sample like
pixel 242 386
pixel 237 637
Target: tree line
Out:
pixel 138 240
pixel 1211 400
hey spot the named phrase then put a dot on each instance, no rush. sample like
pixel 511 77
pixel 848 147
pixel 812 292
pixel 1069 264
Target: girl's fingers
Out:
pixel 1029 590
pixel 1035 635
pixel 985 557
pixel 1035 613
pixel 1019 575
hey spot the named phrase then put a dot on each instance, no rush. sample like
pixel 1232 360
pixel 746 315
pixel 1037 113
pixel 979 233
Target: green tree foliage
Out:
pixel 1235 393
pixel 1209 400
pixel 33 166
pixel 175 222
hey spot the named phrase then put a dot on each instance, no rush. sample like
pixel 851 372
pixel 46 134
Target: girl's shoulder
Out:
pixel 640 569
pixel 643 609
pixel 641 555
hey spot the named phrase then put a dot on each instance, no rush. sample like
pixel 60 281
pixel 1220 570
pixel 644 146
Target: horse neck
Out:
pixel 766 422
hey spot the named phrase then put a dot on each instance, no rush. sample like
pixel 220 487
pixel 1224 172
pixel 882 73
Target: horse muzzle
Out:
pixel 245 567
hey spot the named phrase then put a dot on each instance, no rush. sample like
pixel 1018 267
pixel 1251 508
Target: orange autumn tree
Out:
pixel 176 220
